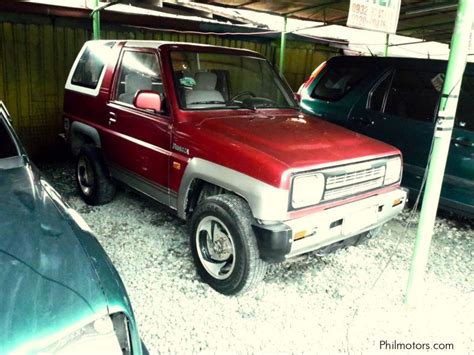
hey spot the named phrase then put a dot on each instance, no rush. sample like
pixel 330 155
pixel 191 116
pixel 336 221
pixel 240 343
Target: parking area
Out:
pixel 340 303
pixel 247 169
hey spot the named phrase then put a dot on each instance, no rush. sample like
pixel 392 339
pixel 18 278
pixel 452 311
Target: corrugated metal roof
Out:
pixel 431 20
pixel 154 17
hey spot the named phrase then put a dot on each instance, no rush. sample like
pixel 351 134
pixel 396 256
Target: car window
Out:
pixel 139 71
pixel 414 95
pixel 465 111
pixel 377 96
pixel 7 145
pixel 337 81
pixel 90 65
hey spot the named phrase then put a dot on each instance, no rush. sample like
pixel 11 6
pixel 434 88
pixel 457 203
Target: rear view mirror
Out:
pixel 148 100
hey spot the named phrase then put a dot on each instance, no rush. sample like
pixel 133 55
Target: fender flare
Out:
pixel 85 130
pixel 266 202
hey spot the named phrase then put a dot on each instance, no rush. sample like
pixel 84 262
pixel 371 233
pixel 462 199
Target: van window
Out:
pixel 90 65
pixel 139 71
pixel 337 81
pixel 465 111
pixel 414 95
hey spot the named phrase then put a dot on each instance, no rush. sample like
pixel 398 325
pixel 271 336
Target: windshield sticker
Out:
pixel 437 82
pixel 187 81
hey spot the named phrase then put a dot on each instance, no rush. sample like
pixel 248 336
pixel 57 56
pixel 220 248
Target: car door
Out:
pixel 400 110
pixel 137 141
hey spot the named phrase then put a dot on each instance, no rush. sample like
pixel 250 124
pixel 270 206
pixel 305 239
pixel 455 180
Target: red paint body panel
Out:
pixel 138 142
pixel 266 144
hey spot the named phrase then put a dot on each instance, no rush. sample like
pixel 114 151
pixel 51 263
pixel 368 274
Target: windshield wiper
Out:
pixel 249 105
pixel 206 103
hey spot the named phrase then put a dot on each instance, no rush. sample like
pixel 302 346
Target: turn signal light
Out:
pixel 299 235
pixel 397 202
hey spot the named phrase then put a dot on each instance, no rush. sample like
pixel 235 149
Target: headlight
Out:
pixel 393 170
pixel 307 190
pixel 106 335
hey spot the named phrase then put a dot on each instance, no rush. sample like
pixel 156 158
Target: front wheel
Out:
pixel 224 246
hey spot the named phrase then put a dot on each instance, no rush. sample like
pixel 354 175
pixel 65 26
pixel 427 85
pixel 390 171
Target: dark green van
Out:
pixel 396 100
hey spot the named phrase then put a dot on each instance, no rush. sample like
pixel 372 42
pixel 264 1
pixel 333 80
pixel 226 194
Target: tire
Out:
pixel 224 246
pixel 92 177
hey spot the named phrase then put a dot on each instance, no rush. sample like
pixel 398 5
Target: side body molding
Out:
pixel 266 202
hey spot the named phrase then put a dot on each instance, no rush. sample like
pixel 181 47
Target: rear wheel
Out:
pixel 224 246
pixel 92 177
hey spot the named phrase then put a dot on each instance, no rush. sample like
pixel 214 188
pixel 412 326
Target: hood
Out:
pixel 296 140
pixel 48 282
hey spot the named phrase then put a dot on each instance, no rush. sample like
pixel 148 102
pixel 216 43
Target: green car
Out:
pixel 396 101
pixel 60 292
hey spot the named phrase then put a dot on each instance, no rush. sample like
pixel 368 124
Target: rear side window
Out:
pixel 465 111
pixel 91 64
pixel 337 81
pixel 414 95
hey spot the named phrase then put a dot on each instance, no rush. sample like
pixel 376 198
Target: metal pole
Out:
pixel 282 47
pixel 96 21
pixel 442 138
pixel 387 37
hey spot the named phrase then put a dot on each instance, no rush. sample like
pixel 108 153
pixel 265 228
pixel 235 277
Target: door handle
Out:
pixel 462 142
pixel 112 118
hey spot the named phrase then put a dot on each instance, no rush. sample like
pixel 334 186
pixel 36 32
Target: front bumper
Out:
pixel 301 235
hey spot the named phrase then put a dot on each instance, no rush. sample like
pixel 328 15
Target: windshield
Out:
pixel 206 80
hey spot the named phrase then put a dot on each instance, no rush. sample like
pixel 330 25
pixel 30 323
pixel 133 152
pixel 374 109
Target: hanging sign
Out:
pixel 374 15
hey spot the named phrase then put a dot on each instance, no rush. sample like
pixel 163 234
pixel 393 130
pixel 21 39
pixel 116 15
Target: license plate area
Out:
pixel 360 220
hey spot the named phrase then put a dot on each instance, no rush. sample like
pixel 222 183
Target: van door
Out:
pixel 400 110
pixel 459 179
pixel 137 142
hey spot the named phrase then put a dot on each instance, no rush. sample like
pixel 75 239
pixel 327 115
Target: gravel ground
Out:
pixel 311 304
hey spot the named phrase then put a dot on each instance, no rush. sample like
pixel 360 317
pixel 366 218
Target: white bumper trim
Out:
pixel 342 222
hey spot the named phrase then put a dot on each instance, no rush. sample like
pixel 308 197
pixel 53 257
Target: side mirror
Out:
pixel 148 100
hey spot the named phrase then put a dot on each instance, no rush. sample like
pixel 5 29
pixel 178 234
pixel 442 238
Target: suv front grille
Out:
pixel 353 179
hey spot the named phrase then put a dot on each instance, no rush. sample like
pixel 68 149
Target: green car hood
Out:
pixel 48 284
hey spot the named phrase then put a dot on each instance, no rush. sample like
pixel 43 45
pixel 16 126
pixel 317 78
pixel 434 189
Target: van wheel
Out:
pixel 224 246
pixel 92 177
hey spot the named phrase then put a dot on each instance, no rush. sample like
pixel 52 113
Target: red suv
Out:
pixel 216 134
